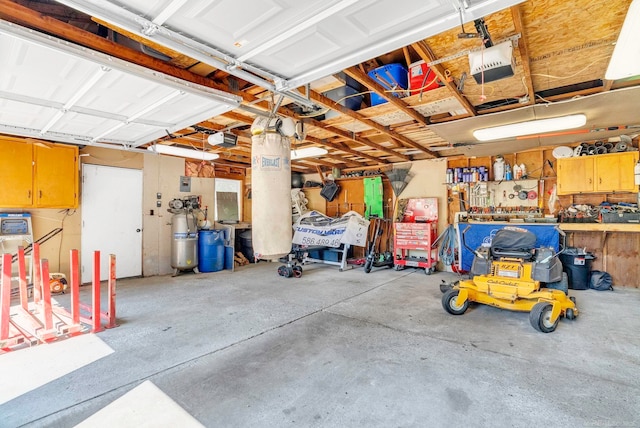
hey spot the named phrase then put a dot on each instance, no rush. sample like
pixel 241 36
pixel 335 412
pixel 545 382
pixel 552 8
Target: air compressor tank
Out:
pixel 184 242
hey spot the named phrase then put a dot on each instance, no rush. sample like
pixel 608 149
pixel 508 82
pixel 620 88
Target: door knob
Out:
pixel 138 230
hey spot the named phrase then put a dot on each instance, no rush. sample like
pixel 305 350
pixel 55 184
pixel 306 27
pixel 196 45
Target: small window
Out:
pixel 228 200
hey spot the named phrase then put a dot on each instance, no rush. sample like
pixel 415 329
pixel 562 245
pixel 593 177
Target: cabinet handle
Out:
pixel 29 194
pixel 589 180
pixel 40 194
pixel 600 180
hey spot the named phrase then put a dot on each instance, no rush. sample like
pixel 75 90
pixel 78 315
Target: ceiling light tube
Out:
pixel 182 152
pixel 625 61
pixel 531 127
pixel 308 152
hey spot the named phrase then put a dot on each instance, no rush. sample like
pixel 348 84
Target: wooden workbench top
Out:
pixel 600 227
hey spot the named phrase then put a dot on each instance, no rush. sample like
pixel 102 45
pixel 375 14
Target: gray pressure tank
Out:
pixel 184 242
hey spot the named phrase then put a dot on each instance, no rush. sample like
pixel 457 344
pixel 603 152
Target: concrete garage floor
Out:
pixel 340 349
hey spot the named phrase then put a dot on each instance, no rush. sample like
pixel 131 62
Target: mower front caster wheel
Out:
pixel 540 317
pixel 570 314
pixel 449 303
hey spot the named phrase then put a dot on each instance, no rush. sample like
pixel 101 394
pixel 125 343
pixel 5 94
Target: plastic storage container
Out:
pixel 391 77
pixel 345 96
pixel 422 78
pixel 246 245
pixel 577 264
pixel 211 250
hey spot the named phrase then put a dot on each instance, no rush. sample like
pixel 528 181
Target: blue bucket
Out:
pixel 211 250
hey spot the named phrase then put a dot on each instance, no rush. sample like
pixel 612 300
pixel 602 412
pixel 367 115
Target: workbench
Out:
pixel 477 234
pixel 604 229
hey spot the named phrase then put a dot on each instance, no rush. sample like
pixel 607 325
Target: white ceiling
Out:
pixel 289 42
pixel 62 92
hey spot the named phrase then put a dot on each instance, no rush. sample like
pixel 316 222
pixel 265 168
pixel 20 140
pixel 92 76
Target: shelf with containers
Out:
pixel 471 181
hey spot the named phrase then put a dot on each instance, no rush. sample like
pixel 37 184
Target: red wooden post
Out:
pixel 5 297
pixel 75 287
pixel 95 313
pixel 37 277
pixel 46 297
pixel 111 309
pixel 22 278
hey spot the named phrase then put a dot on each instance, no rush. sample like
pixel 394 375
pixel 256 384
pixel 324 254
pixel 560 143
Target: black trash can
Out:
pixel 577 264
pixel 246 245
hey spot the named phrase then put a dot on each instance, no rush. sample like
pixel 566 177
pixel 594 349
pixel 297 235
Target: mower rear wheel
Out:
pixel 540 317
pixel 449 303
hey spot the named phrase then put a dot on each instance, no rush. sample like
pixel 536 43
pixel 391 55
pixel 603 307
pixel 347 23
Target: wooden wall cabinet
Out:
pixel 610 173
pixel 38 176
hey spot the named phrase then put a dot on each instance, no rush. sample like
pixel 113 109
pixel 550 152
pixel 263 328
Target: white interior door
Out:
pixel 111 220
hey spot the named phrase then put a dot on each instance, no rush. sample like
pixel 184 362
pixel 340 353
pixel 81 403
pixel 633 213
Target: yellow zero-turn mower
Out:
pixel 512 274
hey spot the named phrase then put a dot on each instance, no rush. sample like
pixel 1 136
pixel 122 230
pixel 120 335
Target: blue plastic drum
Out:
pixel 211 250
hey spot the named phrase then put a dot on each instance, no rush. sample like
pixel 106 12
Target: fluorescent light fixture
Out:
pixel 625 61
pixel 308 152
pixel 183 152
pixel 531 127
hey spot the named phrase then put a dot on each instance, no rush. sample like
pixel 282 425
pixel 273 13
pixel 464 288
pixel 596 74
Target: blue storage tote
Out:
pixel 345 96
pixel 211 250
pixel 391 77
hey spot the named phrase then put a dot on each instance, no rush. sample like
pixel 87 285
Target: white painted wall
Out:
pixel 162 174
pixel 428 181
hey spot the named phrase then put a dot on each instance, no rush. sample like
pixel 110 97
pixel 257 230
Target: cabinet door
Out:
pixel 614 172
pixel 56 176
pixel 16 173
pixel 575 175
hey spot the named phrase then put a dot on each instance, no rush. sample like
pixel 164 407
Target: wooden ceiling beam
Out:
pixel 516 14
pixel 343 160
pixel 350 136
pixel 364 79
pixel 346 149
pixel 329 103
pixel 424 51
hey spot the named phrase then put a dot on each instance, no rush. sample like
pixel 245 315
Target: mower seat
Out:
pixel 525 255
pixel 513 243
